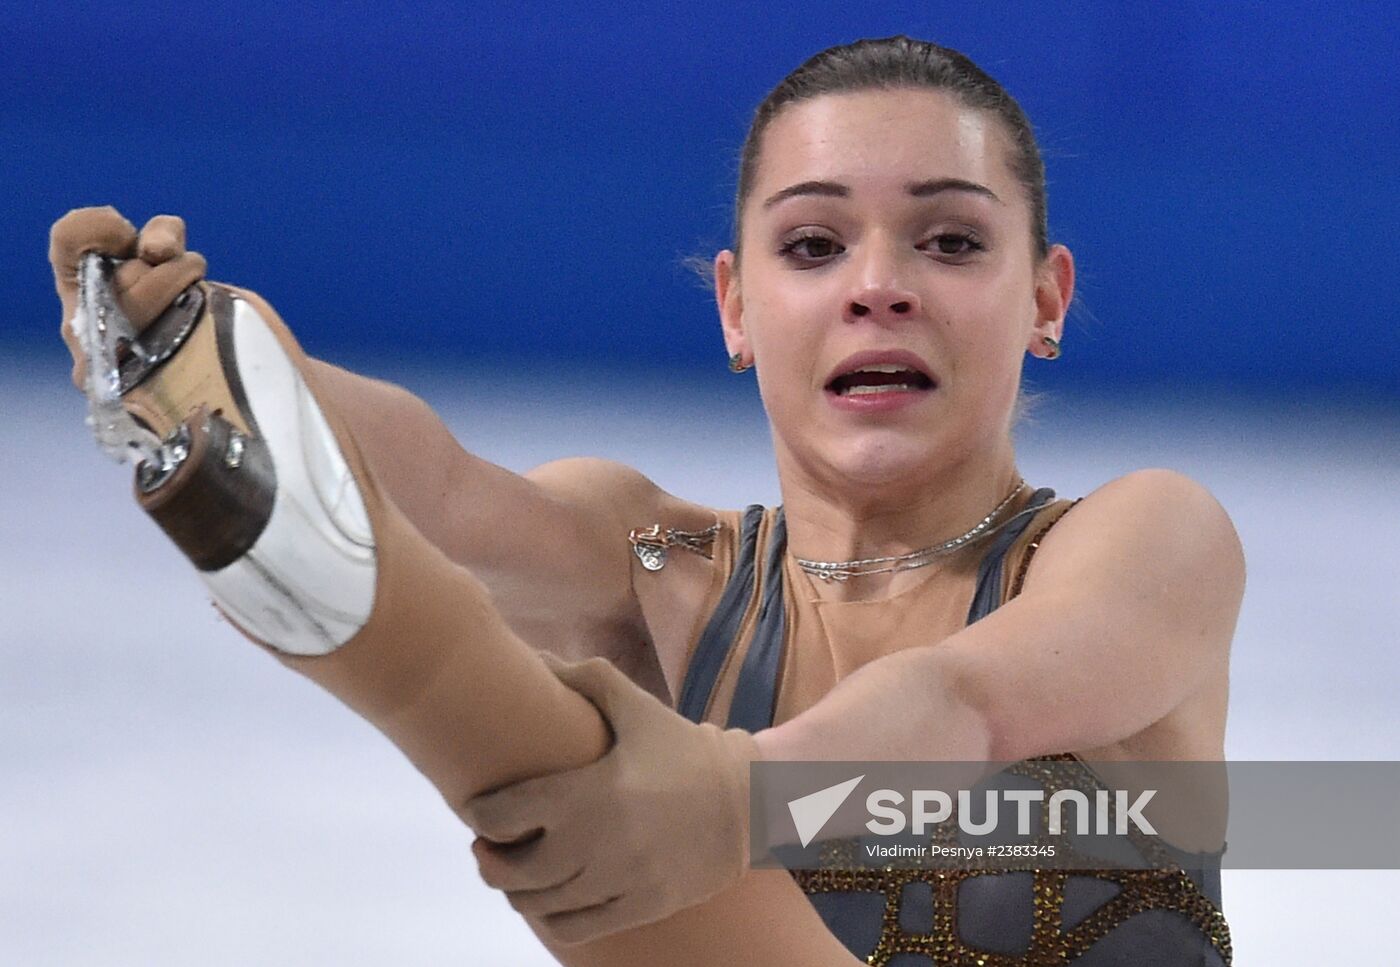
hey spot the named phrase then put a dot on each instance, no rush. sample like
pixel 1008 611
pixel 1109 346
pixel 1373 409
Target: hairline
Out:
pixel 1009 147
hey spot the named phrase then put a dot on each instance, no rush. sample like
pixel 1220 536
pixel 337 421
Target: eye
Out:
pixel 955 243
pixel 810 247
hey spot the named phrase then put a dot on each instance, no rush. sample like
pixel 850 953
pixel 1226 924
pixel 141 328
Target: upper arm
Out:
pixel 1128 610
pixel 552 546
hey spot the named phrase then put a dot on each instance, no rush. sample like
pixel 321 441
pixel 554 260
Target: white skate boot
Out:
pixel 234 457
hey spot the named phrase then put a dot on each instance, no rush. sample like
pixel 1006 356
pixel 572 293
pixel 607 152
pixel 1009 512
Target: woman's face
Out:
pixel 888 288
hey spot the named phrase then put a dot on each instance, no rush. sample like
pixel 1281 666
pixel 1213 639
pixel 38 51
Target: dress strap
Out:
pixel 756 692
pixel 723 627
pixel 987 598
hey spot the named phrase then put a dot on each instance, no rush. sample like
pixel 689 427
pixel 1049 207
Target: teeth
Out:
pixel 883 368
pixel 883 388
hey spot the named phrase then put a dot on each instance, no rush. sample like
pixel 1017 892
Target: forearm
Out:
pixel 906 706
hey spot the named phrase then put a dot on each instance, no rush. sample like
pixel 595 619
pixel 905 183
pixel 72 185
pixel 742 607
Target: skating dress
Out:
pixel 744 671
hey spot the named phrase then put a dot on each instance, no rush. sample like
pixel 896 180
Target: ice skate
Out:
pixel 234 457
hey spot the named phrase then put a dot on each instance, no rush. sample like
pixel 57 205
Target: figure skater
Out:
pixel 913 597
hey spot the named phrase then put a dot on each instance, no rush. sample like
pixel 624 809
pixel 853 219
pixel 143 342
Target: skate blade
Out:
pixel 103 330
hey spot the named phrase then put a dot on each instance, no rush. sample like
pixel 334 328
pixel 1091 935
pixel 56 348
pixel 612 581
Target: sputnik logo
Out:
pixel 811 812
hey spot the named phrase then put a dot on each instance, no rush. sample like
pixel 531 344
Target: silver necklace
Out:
pixel 843 570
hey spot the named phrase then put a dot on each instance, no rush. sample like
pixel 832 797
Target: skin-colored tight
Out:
pixel 438 671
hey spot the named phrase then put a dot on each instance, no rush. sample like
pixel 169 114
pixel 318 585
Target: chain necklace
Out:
pixel 843 570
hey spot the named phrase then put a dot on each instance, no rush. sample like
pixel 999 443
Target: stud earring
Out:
pixel 737 364
pixel 1053 345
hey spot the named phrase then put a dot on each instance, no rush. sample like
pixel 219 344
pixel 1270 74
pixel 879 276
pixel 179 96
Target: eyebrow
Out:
pixel 917 189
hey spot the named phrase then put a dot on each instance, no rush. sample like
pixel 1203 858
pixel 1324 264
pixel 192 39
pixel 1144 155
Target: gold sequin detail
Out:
pixel 1169 888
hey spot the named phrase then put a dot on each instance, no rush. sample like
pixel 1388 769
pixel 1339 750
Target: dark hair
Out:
pixel 891 63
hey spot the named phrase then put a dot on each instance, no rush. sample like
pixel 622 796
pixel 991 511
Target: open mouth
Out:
pixel 876 378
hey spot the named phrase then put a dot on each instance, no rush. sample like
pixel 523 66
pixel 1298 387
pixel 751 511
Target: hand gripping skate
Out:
pixel 234 458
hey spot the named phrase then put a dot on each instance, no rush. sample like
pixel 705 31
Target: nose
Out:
pixel 879 293
pixel 882 303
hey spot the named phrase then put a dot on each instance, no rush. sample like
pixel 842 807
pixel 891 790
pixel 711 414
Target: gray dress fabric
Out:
pixel 995 911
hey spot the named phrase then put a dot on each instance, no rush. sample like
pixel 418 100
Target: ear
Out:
pixel 1054 290
pixel 731 306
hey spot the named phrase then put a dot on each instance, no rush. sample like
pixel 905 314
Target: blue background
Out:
pixel 477 182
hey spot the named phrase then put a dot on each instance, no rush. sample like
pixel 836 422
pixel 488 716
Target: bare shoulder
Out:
pixel 1158 525
pixel 1150 566
pixel 620 493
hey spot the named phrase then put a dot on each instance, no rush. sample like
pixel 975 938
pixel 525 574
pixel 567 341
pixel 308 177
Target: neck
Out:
pixel 832 520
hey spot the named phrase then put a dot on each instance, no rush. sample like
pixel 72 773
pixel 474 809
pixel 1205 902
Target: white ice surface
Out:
pixel 171 796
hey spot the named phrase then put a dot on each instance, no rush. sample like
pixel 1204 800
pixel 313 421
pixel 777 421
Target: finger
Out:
pixel 162 239
pixel 580 892
pixel 571 671
pixel 86 230
pixel 591 923
pixel 508 814
pixel 546 862
pixel 145 291
pixel 554 662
